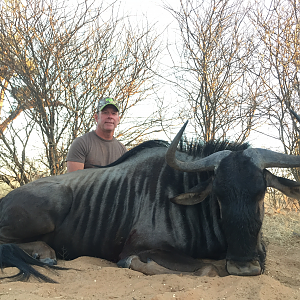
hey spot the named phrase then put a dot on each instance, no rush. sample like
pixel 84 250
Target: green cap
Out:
pixel 103 102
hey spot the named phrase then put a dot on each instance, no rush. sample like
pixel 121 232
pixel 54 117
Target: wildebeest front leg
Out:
pixel 152 268
pixel 40 250
pixel 153 262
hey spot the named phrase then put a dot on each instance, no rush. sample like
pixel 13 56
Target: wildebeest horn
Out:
pixel 295 115
pixel 206 163
pixel 264 158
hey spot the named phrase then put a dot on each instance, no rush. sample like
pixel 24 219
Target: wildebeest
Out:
pixel 155 210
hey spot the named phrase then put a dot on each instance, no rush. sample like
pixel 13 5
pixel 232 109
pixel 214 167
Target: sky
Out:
pixel 154 11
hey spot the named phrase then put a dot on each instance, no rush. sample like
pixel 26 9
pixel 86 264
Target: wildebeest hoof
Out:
pixel 251 268
pixel 125 262
pixel 49 261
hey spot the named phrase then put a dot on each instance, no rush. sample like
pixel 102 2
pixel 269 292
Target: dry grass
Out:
pixel 282 228
pixel 282 219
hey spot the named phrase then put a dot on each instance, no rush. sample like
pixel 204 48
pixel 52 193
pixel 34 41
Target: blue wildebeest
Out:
pixel 155 210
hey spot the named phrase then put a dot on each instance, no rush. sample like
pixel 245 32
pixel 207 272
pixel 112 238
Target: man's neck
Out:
pixel 106 135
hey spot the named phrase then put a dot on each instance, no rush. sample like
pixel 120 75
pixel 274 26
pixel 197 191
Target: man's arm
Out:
pixel 74 166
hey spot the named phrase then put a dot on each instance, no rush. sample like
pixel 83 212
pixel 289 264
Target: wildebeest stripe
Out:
pixel 107 216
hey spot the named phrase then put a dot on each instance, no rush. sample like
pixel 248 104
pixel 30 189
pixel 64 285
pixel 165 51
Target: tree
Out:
pixel 278 32
pixel 56 62
pixel 213 72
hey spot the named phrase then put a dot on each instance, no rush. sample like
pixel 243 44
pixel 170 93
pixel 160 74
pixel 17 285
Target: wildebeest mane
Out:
pixel 196 148
pixel 199 148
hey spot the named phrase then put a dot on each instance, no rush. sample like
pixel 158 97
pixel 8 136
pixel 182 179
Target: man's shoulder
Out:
pixel 89 134
pixel 80 147
pixel 84 141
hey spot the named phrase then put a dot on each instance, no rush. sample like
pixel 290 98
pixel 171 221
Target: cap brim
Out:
pixel 109 104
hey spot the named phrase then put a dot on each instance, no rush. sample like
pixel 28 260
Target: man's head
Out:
pixel 103 102
pixel 107 117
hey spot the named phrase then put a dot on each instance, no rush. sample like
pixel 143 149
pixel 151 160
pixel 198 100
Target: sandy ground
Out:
pixel 99 279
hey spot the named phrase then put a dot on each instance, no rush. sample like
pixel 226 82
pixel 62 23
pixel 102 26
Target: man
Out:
pixel 98 147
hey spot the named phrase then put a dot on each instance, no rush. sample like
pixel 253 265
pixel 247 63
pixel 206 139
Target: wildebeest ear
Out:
pixel 195 195
pixel 286 186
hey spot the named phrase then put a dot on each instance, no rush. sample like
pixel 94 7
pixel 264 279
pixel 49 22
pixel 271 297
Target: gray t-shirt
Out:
pixel 91 150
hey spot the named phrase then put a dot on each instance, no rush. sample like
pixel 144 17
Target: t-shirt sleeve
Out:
pixel 77 151
pixel 124 149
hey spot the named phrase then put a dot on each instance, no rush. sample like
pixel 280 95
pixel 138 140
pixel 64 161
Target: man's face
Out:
pixel 108 118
